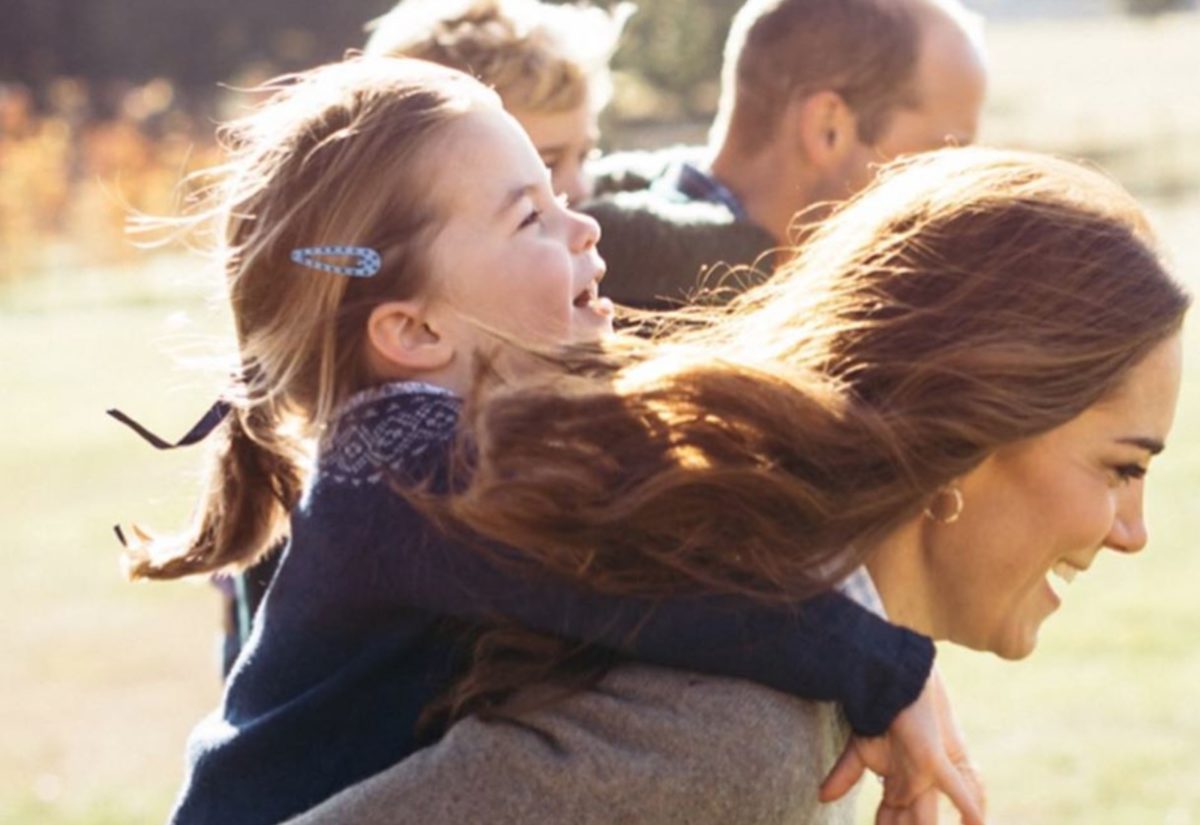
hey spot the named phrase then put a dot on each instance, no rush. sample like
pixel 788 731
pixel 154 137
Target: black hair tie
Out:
pixel 199 431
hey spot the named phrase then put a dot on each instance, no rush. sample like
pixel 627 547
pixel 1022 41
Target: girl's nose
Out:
pixel 585 232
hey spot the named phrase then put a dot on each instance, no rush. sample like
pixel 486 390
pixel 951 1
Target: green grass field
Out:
pixel 103 679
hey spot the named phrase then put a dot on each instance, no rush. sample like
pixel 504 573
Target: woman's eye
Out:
pixel 1126 473
pixel 532 218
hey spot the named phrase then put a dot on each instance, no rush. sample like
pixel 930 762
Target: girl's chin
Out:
pixel 595 319
pixel 592 327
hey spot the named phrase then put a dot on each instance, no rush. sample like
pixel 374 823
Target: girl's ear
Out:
pixel 402 344
pixel 825 127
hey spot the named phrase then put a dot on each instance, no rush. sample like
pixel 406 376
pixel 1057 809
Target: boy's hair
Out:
pixel 337 156
pixel 781 50
pixel 538 57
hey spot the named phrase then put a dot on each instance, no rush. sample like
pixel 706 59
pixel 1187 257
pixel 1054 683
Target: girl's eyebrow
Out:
pixel 515 195
pixel 1151 445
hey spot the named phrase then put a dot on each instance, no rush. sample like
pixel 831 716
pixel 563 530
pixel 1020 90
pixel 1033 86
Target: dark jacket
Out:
pixel 665 247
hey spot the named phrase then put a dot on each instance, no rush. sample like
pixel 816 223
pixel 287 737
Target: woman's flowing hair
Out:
pixel 968 299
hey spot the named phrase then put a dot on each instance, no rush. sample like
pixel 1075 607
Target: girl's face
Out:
pixel 1035 514
pixel 509 257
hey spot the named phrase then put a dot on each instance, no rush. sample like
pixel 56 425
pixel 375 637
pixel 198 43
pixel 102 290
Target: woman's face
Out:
pixel 1038 512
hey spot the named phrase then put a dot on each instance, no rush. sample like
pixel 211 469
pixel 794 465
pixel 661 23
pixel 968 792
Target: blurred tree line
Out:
pixel 1149 8
pixel 672 45
pixel 105 104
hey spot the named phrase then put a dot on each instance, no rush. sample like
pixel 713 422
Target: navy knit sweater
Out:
pixel 349 644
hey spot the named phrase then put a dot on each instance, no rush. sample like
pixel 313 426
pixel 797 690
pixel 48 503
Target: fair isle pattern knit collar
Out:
pixel 380 433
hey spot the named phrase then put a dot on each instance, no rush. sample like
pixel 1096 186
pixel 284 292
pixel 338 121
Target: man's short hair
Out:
pixel 781 50
pixel 537 56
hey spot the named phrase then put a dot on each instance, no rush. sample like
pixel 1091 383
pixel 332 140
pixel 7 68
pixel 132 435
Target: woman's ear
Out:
pixel 825 127
pixel 402 344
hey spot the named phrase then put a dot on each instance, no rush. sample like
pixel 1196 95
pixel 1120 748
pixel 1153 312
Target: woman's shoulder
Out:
pixel 646 745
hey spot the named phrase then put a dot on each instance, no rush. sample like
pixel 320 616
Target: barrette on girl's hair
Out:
pixel 367 260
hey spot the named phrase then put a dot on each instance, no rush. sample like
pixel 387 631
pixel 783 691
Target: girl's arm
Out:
pixel 826 649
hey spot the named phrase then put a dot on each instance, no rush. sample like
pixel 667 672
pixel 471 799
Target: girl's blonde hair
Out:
pixel 337 156
pixel 539 57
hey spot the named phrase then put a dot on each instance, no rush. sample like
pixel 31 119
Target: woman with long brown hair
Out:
pixel 361 311
pixel 960 381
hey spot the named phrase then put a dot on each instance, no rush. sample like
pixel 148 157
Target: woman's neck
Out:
pixel 897 567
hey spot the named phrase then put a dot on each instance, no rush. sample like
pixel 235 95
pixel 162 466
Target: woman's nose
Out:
pixel 1128 533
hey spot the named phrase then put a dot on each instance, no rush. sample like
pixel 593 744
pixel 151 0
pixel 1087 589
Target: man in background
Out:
pixel 815 94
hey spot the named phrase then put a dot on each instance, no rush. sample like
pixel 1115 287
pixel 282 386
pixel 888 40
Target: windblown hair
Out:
pixel 538 57
pixel 779 51
pixel 336 156
pixel 967 300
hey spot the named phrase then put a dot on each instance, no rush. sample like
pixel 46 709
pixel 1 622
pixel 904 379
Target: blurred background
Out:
pixel 105 104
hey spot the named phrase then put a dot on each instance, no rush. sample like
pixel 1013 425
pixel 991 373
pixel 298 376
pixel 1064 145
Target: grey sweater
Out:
pixel 647 745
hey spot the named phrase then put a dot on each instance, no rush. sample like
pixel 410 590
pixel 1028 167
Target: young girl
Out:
pixel 385 227
pixel 549 65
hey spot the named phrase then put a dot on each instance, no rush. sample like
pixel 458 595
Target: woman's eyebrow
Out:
pixel 1151 445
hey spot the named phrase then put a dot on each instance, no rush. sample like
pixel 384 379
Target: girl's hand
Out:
pixel 923 752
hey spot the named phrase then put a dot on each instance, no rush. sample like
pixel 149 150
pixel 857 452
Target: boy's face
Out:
pixel 564 140
pixel 509 259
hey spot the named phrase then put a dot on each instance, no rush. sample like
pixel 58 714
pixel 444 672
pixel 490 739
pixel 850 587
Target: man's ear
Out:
pixel 825 127
pixel 402 343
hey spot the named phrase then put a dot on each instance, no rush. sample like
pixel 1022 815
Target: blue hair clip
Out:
pixel 367 260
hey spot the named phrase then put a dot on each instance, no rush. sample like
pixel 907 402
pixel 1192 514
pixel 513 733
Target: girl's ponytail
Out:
pixel 254 481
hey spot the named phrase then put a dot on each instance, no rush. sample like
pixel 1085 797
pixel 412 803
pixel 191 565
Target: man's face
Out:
pixel 950 83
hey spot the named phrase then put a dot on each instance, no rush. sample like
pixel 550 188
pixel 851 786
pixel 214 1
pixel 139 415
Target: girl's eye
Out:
pixel 1126 473
pixel 530 219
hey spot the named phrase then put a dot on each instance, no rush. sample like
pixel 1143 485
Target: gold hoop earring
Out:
pixel 956 511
